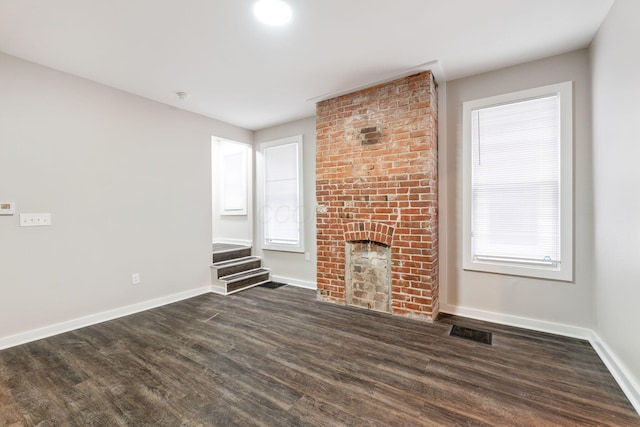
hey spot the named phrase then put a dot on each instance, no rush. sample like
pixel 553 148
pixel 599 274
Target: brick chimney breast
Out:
pixel 376 181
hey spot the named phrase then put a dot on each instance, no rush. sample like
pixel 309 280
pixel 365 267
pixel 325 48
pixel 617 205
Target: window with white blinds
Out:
pixel 518 150
pixel 281 193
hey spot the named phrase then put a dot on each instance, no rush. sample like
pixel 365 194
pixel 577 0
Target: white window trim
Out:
pixel 260 169
pixel 564 271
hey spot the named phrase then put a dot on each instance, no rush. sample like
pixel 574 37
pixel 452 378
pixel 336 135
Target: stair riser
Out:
pixel 245 283
pixel 225 256
pixel 226 271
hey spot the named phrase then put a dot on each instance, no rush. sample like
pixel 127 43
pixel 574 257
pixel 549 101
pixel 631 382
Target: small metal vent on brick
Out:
pixel 471 334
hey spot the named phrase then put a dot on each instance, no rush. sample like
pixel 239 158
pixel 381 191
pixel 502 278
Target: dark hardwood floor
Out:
pixel 276 357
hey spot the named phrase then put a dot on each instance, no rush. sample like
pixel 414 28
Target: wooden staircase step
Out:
pixel 236 282
pixel 234 269
pixel 237 265
pixel 225 252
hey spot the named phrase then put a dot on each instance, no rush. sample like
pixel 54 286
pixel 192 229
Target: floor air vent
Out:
pixel 273 285
pixel 471 334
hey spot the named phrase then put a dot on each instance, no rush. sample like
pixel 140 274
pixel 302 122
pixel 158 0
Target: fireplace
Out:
pixel 368 265
pixel 368 275
pixel 376 184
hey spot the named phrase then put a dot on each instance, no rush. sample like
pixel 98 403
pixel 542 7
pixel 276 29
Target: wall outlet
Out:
pixel 307 256
pixel 135 279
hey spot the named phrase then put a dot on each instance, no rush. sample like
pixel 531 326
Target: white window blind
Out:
pixel 282 194
pixel 516 182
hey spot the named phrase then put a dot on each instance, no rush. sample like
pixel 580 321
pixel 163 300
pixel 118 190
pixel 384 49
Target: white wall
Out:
pixel 616 149
pixel 292 267
pixel 542 304
pixel 127 181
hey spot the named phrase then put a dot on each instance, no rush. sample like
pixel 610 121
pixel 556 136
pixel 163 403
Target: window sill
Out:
pixel 533 271
pixel 283 248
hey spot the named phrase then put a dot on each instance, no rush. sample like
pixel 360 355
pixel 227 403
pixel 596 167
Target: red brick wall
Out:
pixel 376 164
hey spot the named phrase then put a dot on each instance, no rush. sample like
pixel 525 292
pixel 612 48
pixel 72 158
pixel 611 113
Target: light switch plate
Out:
pixel 35 219
pixel 7 208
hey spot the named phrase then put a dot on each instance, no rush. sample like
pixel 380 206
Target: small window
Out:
pixel 280 175
pixel 233 177
pixel 518 151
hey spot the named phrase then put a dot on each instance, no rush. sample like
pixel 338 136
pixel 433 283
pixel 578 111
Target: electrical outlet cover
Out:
pixel 35 219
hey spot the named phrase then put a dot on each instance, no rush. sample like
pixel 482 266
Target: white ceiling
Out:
pixel 251 75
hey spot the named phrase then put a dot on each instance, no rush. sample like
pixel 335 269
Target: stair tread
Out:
pixel 244 275
pixel 234 261
pixel 220 248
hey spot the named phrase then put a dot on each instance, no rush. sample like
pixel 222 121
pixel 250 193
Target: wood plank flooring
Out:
pixel 277 357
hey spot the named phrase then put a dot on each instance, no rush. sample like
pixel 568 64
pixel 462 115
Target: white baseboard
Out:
pixel 626 381
pixel 70 325
pixel 620 373
pixel 295 282
pixel 520 322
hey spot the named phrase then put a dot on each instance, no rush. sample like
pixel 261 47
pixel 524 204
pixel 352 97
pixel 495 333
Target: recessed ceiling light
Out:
pixel 272 12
